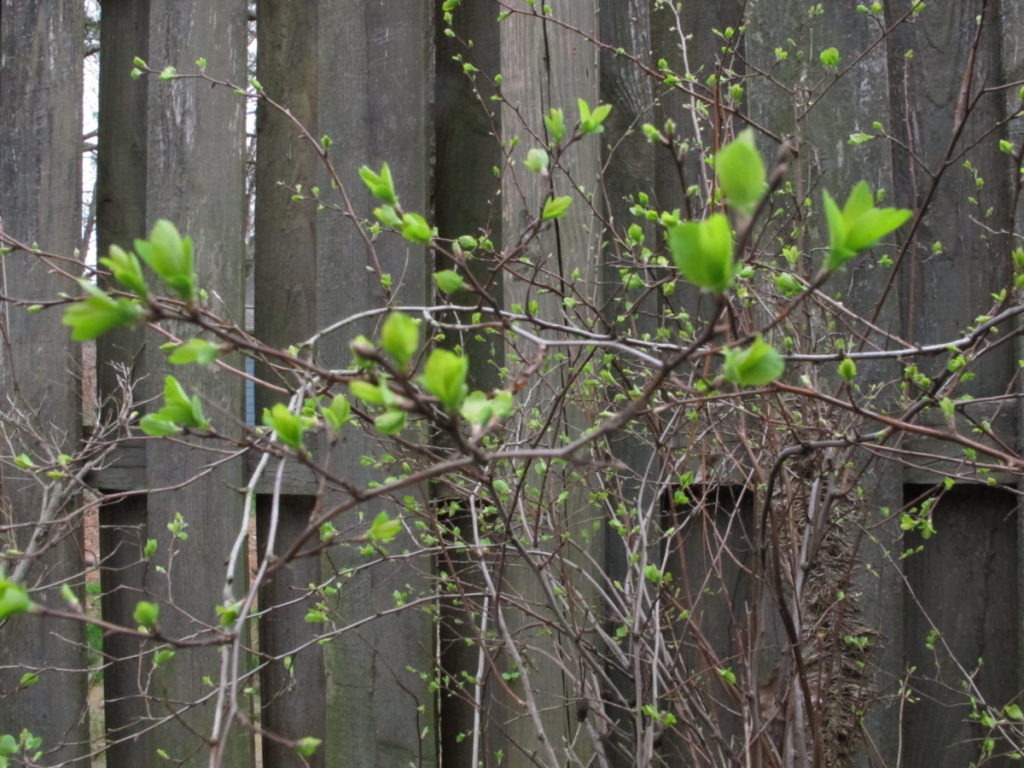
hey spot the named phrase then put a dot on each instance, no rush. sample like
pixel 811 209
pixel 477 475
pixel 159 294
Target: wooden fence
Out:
pixel 384 81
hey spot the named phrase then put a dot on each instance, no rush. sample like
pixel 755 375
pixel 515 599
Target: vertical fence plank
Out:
pixel 292 696
pixel 548 65
pixel 820 126
pixel 959 626
pixel 376 72
pixel 40 164
pixel 194 166
pixel 629 167
pixel 466 202
pixel 956 260
pixel 120 217
pixel 185 165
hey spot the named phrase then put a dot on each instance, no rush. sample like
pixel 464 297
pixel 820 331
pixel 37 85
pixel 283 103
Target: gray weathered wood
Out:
pixel 40 161
pixel 185 165
pixel 820 127
pixel 374 90
pixel 466 201
pixel 292 699
pixel 549 65
pixel 935 307
pixel 964 584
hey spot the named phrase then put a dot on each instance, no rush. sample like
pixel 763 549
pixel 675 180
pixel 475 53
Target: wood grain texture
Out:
pixel 828 110
pixel 291 697
pixel 376 80
pixel 972 608
pixel 40 161
pixel 185 165
pixel 548 65
pixel 467 200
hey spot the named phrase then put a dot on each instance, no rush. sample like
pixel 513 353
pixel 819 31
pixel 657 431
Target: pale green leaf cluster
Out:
pixel 859 225
pixel 98 313
pixel 169 254
pixel 179 411
pixel 753 366
pixel 13 599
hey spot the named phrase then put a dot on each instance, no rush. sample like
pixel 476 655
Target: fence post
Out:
pixel 172 150
pixel 40 164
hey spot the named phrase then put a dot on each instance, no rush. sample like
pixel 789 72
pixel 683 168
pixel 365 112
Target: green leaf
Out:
pixel 384 529
pixel 338 413
pixel 178 406
pixel 170 255
pixel 367 392
pixel 503 403
pixel 381 184
pixel 873 225
pixel 859 202
pixel 388 216
pixel 400 338
pixel 590 122
pixel 477 409
pixel 416 229
pixel 91 317
pixel 788 284
pixel 702 251
pixel 228 613
pixel 13 599
pixel 307 745
pixel 163 656
pixel 838 253
pixel 127 270
pixel 847 369
pixel 830 59
pixel 179 411
pixel 448 280
pixel 727 675
pixel 1013 712
pixel 556 207
pixel 28 679
pixel 390 422
pixel 194 351
pixel 146 614
pixel 741 172
pixel 859 225
pixel 154 426
pixel 150 549
pixel 286 425
pixel 555 122
pixel 444 376
pixel 69 596
pixel 537 160
pixel 755 366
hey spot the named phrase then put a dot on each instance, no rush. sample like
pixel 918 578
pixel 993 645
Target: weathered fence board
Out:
pixel 291 696
pixel 174 150
pixel 40 168
pixel 375 84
